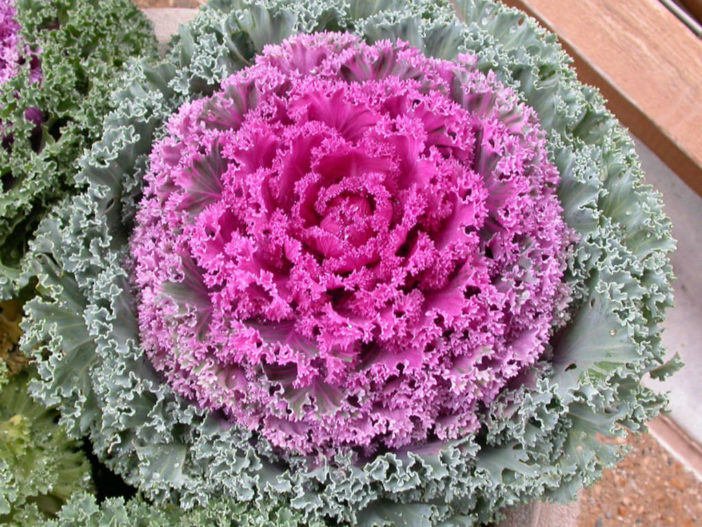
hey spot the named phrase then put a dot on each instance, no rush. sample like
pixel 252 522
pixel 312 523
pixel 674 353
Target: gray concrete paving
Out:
pixel 683 326
pixel 167 20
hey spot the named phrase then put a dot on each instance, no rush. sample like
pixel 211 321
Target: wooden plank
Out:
pixel 684 15
pixel 645 62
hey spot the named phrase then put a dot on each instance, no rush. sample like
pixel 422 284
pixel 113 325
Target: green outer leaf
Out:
pixel 539 438
pixel 83 511
pixel 82 61
pixel 40 467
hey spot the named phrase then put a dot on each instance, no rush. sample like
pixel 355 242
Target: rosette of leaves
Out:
pixel 40 466
pixel 59 62
pixel 198 389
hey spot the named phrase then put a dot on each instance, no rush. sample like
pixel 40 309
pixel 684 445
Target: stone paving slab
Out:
pixel 167 20
pixel 683 326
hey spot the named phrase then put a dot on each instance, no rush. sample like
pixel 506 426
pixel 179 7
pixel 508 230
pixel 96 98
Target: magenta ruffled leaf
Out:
pixel 228 113
pixel 202 183
pixel 192 296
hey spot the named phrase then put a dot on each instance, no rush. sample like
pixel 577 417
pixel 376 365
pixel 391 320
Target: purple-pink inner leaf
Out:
pixel 350 246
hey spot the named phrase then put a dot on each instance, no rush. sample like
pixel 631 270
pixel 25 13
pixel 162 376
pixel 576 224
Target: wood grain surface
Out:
pixel 646 63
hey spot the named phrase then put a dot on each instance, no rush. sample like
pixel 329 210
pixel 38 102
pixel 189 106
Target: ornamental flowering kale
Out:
pixel 59 60
pixel 350 245
pixel 401 278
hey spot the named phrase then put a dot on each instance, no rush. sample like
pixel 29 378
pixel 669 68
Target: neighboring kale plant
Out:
pixel 59 62
pixel 14 52
pixel 40 467
pixel 400 276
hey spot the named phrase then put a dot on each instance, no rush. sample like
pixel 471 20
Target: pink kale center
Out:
pixel 349 246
